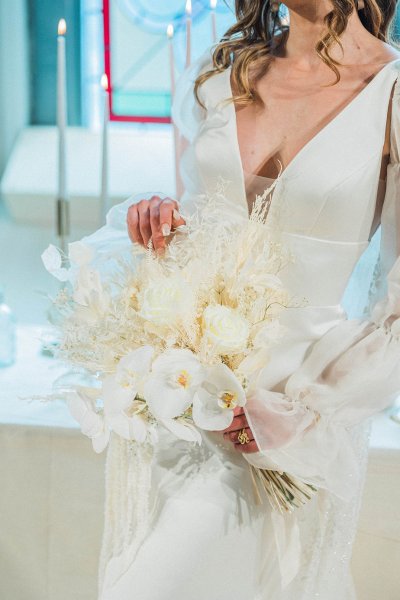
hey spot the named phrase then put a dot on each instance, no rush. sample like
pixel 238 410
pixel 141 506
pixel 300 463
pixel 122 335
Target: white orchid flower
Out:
pixel 175 377
pixel 183 430
pixel 82 406
pixel 214 402
pixel 121 409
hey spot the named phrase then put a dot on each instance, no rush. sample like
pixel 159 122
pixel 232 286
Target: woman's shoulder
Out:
pixel 388 55
pixel 390 52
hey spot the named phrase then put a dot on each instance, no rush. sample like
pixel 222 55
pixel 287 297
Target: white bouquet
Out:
pixel 173 341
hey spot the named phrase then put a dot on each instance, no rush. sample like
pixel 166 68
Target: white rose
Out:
pixel 225 329
pixel 162 302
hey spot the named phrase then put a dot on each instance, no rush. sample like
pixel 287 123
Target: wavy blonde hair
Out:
pixel 249 45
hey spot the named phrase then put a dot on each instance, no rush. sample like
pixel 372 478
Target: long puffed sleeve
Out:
pixel 189 117
pixel 349 373
pixel 187 113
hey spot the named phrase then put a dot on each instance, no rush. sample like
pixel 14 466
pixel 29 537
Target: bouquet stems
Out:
pixel 284 492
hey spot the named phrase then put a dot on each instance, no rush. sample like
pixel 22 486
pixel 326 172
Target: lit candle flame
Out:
pixel 189 8
pixel 213 4
pixel 170 31
pixel 104 82
pixel 62 27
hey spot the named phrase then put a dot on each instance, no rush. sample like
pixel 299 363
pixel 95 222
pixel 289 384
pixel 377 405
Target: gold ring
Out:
pixel 243 438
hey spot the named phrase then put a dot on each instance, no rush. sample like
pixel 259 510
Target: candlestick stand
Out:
pixel 63 223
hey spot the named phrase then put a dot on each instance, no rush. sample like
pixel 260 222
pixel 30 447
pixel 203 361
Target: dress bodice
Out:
pixel 323 202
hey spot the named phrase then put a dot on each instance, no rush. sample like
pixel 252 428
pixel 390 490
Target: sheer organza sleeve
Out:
pixel 348 374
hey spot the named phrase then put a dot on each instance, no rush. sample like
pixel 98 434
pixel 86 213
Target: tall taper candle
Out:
pixel 104 198
pixel 213 6
pixel 177 138
pixel 188 32
pixel 62 199
pixel 170 35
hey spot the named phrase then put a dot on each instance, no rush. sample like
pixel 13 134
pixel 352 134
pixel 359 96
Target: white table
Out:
pixel 52 488
pixel 51 501
pixel 31 198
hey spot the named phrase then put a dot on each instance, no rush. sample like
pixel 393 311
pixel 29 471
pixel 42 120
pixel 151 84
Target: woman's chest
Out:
pixel 289 115
pixel 328 188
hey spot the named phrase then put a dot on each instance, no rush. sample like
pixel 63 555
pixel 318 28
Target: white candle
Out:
pixel 170 35
pixel 188 32
pixel 177 139
pixel 62 208
pixel 104 195
pixel 213 6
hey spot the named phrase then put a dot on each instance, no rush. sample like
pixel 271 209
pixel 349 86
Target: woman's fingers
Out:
pixel 144 221
pixel 162 225
pixel 238 423
pixel 233 435
pixel 167 207
pixel 153 219
pixel 177 219
pixel 132 220
pixel 239 410
pixel 247 448
pixel 156 235
pixel 169 220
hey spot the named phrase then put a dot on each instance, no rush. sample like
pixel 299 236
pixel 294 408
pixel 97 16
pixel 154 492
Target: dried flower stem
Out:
pixel 284 492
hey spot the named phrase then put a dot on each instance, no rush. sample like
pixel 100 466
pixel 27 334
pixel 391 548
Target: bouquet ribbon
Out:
pixel 287 538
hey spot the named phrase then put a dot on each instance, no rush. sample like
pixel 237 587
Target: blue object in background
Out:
pixel 140 71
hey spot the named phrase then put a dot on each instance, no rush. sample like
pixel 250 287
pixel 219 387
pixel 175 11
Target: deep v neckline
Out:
pixel 292 163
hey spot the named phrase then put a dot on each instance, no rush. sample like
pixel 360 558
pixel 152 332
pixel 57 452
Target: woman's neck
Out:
pixel 306 28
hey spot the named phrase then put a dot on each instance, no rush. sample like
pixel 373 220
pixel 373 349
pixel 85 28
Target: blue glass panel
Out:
pixel 140 54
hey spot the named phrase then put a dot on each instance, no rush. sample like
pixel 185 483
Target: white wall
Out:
pixel 14 74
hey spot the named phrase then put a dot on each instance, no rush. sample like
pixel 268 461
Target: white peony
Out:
pixel 225 329
pixel 214 402
pixel 163 301
pixel 176 375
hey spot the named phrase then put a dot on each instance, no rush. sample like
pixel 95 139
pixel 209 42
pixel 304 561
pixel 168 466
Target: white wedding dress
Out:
pixel 207 538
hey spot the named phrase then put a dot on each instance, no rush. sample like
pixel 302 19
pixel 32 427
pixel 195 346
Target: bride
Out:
pixel 315 118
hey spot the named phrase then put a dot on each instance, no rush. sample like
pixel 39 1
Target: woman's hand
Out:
pixel 231 433
pixel 153 219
